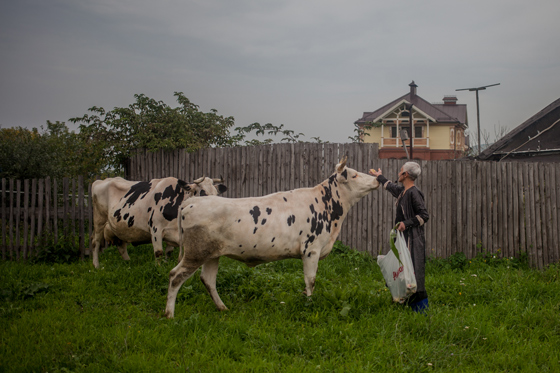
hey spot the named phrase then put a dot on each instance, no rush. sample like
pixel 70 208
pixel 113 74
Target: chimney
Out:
pixel 450 100
pixel 413 87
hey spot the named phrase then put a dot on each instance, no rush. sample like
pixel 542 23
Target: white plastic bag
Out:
pixel 397 268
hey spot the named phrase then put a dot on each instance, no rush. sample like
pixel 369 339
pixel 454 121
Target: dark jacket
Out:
pixel 415 216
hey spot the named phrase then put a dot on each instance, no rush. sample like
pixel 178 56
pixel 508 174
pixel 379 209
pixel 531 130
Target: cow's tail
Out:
pixel 179 219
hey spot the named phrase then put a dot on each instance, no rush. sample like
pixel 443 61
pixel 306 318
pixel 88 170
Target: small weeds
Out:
pixel 63 250
pixel 20 291
pixel 346 252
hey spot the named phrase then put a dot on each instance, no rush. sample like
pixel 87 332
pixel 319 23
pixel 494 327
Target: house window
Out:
pixel 418 131
pixel 394 131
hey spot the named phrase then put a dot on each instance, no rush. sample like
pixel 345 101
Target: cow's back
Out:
pixel 261 229
pixel 146 208
pixel 106 193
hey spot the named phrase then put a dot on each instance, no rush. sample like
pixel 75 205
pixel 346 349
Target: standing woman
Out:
pixel 411 217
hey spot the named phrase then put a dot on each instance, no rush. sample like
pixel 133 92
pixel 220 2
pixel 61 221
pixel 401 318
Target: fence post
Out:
pixel 33 213
pixel 25 218
pixel 40 201
pixel 55 210
pixel 18 218
pixel 81 215
pixel 4 206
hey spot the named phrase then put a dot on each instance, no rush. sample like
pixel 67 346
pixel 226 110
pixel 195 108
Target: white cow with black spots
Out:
pixel 302 223
pixel 142 211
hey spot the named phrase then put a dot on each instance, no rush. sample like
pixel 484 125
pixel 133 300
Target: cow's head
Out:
pixel 204 186
pixel 357 184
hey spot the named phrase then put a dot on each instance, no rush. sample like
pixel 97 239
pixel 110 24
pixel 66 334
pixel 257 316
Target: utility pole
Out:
pixel 477 109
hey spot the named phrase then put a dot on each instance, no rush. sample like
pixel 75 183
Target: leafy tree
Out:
pixel 54 152
pixel 361 131
pixel 152 125
pixel 270 129
pixel 21 153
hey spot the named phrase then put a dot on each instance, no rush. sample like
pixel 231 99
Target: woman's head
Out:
pixel 413 169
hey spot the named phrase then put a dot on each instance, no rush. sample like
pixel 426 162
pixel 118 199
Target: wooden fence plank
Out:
pixel 25 218
pixel 286 167
pixel 521 204
pixel 11 218
pixel 468 213
pixel 4 204
pixel 55 210
pixel 505 207
pixel 442 208
pixel 259 191
pixel 73 213
pixel 530 203
pixel 65 204
pixel 542 205
pixel 368 222
pixel 18 217
pixel 487 208
pixel 81 216
pixel 544 212
pixel 553 232
pixel 484 185
pixel 548 213
pixel 481 245
pixel 428 196
pixel 434 213
pixel 523 219
pixel 453 206
pixel 253 166
pixel 243 171
pixel 557 186
pixel 261 172
pixel 292 165
pixel 517 209
pixel 449 202
pixel 510 206
pixel 537 215
pixel 33 214
pixel 48 193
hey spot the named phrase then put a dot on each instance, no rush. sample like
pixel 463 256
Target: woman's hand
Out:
pixel 401 227
pixel 372 172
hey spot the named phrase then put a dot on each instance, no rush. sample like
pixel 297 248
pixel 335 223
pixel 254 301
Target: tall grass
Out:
pixel 488 314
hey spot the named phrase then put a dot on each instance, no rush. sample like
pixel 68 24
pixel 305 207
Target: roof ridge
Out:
pixel 541 113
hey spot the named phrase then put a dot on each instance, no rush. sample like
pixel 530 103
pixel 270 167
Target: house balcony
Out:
pixel 395 142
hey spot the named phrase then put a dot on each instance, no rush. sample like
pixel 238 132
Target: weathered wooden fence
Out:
pixel 33 208
pixel 500 208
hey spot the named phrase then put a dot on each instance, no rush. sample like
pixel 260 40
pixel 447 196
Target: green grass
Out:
pixel 488 314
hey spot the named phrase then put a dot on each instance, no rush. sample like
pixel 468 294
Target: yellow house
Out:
pixel 439 129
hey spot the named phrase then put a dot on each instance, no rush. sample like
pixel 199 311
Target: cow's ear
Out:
pixel 184 185
pixel 340 166
pixel 221 188
pixel 343 176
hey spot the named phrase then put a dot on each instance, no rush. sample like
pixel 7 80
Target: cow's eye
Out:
pixel 355 176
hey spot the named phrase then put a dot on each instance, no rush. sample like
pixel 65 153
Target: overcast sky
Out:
pixel 314 66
